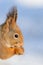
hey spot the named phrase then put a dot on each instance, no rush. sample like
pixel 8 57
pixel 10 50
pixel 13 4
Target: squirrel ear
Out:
pixel 12 17
pixel 13 13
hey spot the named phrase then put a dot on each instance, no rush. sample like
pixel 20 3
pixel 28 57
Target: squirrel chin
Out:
pixel 12 46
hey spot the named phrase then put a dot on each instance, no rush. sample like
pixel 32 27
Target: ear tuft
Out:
pixel 12 13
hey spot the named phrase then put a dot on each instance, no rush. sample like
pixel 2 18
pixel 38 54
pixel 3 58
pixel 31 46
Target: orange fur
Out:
pixel 11 38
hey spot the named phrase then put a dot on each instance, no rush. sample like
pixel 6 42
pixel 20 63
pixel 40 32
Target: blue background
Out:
pixel 30 21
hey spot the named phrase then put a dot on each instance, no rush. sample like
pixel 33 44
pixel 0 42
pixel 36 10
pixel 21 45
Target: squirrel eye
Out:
pixel 15 35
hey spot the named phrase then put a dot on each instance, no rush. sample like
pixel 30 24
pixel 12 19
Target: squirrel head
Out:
pixel 11 31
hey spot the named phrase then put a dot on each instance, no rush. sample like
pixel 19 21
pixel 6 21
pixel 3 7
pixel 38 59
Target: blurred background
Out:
pixel 30 21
